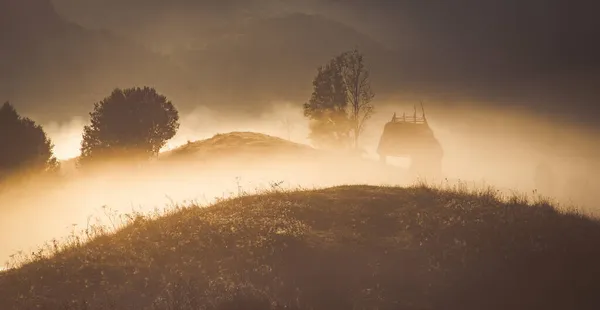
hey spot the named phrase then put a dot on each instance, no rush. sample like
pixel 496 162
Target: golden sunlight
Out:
pixel 66 138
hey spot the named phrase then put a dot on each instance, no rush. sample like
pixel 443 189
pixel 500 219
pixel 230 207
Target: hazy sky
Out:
pixel 514 47
pixel 542 54
pixel 542 35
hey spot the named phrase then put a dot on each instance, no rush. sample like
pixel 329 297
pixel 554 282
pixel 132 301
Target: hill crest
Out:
pixel 236 143
pixel 334 248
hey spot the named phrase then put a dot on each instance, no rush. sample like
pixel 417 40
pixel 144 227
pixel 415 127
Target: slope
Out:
pixel 337 248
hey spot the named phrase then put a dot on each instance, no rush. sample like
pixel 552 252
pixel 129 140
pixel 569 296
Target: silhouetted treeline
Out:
pixel 135 123
pixel 132 123
pixel 24 146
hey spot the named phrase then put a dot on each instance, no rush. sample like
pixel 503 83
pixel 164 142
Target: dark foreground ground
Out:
pixel 350 247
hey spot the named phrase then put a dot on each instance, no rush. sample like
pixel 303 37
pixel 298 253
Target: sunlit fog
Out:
pixel 249 71
pixel 498 152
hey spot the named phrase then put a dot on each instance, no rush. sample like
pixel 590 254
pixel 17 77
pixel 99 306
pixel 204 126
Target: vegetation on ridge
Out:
pixel 130 122
pixel 24 145
pixel 337 248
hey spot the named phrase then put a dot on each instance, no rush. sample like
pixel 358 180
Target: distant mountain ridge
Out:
pixel 245 66
pixel 55 68
pixel 244 55
pixel 276 58
pixel 31 17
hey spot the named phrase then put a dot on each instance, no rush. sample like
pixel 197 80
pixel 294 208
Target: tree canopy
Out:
pixel 24 144
pixel 130 123
pixel 340 103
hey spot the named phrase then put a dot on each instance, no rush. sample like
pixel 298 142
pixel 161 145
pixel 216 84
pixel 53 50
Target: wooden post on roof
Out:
pixel 415 114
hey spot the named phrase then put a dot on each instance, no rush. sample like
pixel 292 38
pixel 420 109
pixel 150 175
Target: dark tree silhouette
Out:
pixel 134 123
pixel 341 101
pixel 24 145
pixel 329 126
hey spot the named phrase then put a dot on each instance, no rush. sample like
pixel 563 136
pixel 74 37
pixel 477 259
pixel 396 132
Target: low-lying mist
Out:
pixel 46 210
pixel 498 147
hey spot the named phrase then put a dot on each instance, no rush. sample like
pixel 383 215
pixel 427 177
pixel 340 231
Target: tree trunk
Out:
pixel 356 135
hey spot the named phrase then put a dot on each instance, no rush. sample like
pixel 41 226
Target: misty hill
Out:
pixel 249 145
pixel 241 144
pixel 336 248
pixel 243 152
pixel 53 68
pixel 278 159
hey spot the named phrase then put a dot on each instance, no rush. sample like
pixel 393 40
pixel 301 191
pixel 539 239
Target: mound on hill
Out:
pixel 244 144
pixel 345 247
pixel 248 145
pixel 278 158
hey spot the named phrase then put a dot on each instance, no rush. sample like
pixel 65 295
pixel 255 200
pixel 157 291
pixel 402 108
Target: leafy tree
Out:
pixel 133 123
pixel 24 144
pixel 329 126
pixel 341 101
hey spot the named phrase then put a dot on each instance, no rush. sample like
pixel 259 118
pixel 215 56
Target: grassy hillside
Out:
pixel 337 248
